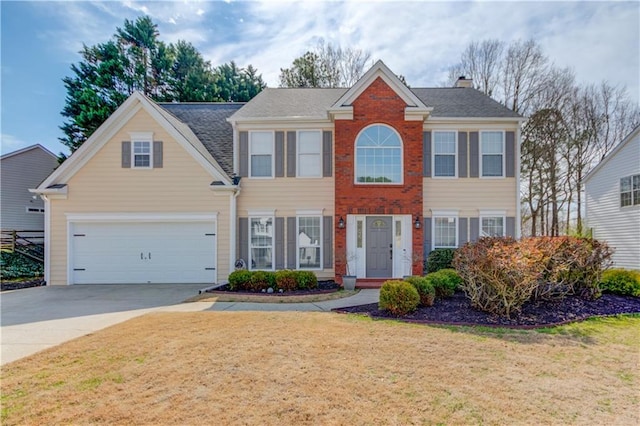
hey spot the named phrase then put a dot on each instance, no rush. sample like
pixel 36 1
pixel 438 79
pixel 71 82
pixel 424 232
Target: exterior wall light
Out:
pixel 417 223
pixel 341 223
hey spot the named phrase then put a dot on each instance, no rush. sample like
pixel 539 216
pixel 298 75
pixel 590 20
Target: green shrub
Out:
pixel 306 280
pixel 440 259
pixel 286 280
pixel 621 281
pixel 239 280
pixel 262 280
pixel 398 297
pixel 15 265
pixel 425 289
pixel 445 282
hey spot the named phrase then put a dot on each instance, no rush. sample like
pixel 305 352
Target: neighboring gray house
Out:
pixel 612 191
pixel 21 170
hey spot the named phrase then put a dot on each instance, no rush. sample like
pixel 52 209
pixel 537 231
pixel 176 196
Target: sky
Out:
pixel 418 39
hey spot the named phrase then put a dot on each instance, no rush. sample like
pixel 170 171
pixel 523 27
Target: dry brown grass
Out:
pixel 320 368
pixel 222 296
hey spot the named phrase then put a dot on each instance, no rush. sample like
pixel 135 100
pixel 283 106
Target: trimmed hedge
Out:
pixel 445 282
pixel 425 289
pixel 285 280
pixel 441 258
pixel 624 282
pixel 398 297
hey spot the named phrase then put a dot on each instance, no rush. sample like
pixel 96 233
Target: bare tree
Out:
pixel 482 62
pixel 524 75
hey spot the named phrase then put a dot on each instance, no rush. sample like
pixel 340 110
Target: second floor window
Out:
pixel 630 191
pixel 261 154
pixel 492 154
pixel 378 156
pixel 141 154
pixel 444 158
pixel 309 154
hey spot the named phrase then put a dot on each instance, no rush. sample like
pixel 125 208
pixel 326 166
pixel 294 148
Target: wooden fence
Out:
pixel 26 242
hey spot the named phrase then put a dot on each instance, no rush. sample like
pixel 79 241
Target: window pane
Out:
pixel 625 199
pixel 636 197
pixel 141 160
pixel 378 156
pixel 625 184
pixel 309 242
pixel 309 165
pixel 445 165
pixel 492 227
pixel 445 232
pixel 261 242
pixel 492 142
pixel 492 165
pixel 261 165
pixel 445 143
pixel 309 142
pixel 141 147
pixel 636 182
pixel 261 142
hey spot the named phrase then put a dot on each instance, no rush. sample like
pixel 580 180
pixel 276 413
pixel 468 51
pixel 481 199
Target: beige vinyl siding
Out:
pixel 287 196
pixel 470 195
pixel 618 226
pixel 103 186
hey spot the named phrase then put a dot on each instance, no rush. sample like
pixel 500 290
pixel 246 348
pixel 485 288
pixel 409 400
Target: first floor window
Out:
pixel 309 154
pixel 630 191
pixel 309 242
pixel 444 154
pixel 261 240
pixel 492 153
pixel 141 154
pixel 444 235
pixel 492 226
pixel 261 154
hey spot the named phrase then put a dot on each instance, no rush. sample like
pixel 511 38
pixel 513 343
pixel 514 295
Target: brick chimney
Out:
pixel 464 82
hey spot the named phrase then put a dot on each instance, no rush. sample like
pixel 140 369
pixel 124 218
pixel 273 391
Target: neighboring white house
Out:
pixel 20 170
pixel 613 201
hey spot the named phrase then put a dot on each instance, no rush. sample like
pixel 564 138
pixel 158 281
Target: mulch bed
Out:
pixel 457 310
pixel 329 286
pixel 17 285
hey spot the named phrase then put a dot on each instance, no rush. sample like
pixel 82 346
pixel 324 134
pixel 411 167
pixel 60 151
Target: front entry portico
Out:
pixel 379 246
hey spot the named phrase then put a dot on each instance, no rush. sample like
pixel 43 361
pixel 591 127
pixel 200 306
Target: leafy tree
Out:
pixel 136 60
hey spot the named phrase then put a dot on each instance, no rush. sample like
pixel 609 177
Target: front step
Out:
pixel 371 282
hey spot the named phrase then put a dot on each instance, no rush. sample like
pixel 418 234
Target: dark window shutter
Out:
pixel 291 154
pixel 126 154
pixel 474 159
pixel 244 154
pixel 327 148
pixel 462 154
pixel 426 154
pixel 511 227
pixel 243 240
pixel 279 154
pixel 427 236
pixel 510 154
pixel 462 231
pixel 475 229
pixel 157 155
pixel 291 243
pixel 327 242
pixel 279 242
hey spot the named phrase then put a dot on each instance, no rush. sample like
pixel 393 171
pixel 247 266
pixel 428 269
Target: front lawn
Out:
pixel 318 368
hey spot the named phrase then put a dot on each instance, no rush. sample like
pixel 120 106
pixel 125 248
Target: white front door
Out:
pixel 142 252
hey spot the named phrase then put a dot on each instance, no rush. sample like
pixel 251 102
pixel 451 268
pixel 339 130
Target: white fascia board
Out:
pixel 27 149
pixel 52 193
pixel 635 132
pixel 515 120
pixel 224 188
pixel 416 114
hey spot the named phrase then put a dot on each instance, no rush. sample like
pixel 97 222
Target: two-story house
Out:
pixel 365 180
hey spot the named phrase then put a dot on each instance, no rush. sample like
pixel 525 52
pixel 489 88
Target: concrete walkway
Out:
pixel 39 318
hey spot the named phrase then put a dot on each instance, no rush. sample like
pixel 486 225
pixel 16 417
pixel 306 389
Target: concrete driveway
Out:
pixel 38 318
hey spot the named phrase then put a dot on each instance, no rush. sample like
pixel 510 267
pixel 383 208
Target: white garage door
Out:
pixel 141 252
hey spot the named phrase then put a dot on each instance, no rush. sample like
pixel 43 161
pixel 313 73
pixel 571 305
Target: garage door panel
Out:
pixel 141 252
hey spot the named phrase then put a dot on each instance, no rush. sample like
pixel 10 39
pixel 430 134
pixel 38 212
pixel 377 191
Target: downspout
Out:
pixel 47 239
pixel 233 211
pixel 518 205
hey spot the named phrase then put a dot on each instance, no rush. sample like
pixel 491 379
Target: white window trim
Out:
pixel 620 192
pixel 444 214
pixel 504 151
pixel 273 154
pixel 320 242
pixel 273 243
pixel 319 175
pixel 133 154
pixel 433 154
pixel 355 158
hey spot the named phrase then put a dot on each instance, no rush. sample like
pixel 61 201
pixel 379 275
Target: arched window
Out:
pixel 378 155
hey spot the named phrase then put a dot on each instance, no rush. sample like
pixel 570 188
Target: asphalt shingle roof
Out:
pixel 461 102
pixel 208 121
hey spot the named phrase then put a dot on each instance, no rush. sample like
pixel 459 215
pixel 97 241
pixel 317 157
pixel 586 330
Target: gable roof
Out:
pixel 134 103
pixel 208 123
pixel 29 148
pixel 635 132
